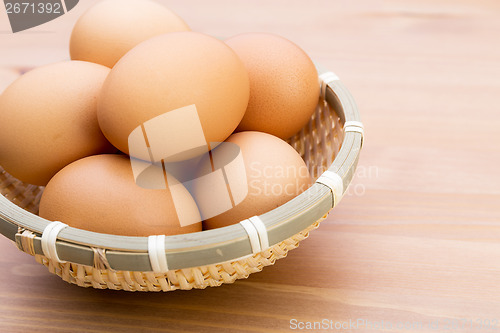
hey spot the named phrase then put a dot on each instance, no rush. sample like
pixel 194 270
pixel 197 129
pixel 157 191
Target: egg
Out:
pixel 48 119
pixel 284 88
pixel 271 174
pixel 7 76
pixel 111 28
pixel 100 194
pixel 181 90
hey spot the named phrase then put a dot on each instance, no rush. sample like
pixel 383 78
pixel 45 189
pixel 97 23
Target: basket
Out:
pixel 330 144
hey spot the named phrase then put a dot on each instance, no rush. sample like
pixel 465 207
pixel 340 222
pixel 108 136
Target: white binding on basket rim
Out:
pixel 354 126
pixel 325 79
pixel 257 234
pixel 157 255
pixel 335 183
pixel 49 239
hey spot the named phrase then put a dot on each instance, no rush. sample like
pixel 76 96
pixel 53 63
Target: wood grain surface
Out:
pixel 413 247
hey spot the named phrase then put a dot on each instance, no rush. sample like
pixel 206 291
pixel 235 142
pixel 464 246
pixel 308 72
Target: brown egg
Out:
pixel 270 174
pixel 99 194
pixel 183 90
pixel 7 76
pixel 48 120
pixel 111 28
pixel 284 88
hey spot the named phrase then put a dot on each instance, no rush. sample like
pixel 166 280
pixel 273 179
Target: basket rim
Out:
pixel 207 247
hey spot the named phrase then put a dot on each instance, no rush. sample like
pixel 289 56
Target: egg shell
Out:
pixel 275 174
pixel 284 87
pixel 48 119
pixel 110 28
pixel 99 194
pixel 196 75
pixel 7 76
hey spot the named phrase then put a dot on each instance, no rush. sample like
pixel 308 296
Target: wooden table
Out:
pixel 413 247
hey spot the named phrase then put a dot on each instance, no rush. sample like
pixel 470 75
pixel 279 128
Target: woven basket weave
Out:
pixel 97 260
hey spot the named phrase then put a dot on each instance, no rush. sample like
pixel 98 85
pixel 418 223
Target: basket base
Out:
pixel 183 279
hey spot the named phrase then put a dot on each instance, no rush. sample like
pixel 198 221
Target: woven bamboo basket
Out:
pixel 330 144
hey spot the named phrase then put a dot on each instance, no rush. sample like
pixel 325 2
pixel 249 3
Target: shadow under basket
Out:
pixel 329 144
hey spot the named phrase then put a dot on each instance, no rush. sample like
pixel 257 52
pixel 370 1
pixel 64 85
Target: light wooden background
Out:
pixel 417 239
